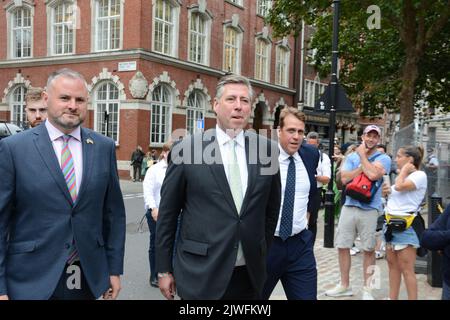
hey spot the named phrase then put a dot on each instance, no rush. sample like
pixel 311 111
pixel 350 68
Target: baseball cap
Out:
pixel 372 127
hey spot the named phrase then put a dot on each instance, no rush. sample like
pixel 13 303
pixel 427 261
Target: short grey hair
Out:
pixel 65 72
pixel 312 135
pixel 233 78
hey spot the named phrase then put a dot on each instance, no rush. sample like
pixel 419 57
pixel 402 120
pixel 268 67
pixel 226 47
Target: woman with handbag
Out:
pixel 403 204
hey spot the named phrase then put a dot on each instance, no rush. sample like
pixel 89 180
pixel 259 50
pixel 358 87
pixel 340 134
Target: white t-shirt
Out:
pixel 404 202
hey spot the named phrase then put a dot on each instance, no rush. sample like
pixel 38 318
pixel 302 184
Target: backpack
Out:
pixel 361 188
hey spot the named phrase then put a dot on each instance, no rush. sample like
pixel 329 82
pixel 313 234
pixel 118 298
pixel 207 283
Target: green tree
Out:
pixel 400 65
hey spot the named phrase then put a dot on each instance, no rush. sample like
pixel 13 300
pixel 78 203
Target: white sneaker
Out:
pixel 367 294
pixel 339 291
pixel 354 251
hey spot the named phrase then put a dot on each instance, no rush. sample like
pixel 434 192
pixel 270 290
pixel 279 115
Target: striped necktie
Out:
pixel 68 169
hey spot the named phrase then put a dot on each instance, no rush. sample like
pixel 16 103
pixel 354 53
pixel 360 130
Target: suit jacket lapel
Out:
pixel 218 171
pixel 88 160
pixel 45 148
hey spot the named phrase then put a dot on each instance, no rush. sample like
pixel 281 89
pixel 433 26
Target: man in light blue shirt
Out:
pixel 359 218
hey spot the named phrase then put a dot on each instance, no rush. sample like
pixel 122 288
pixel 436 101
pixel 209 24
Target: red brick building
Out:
pixel 152 65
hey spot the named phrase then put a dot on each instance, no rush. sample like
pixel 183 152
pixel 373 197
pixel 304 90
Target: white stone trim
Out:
pixel 198 84
pixel 18 80
pixel 165 78
pixel 106 75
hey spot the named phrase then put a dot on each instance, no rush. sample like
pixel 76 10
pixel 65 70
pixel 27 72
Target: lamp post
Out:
pixel 106 115
pixel 333 100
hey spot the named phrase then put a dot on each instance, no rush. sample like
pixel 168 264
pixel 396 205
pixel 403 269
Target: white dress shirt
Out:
pixel 302 186
pixel 152 184
pixel 324 167
pixel 226 148
pixel 75 146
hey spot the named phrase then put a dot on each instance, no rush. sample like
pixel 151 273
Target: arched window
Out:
pixel 21 33
pixel 195 113
pixel 18 115
pixel 107 110
pixel 160 117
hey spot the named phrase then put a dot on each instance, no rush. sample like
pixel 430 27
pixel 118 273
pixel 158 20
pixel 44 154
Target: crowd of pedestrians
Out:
pixel 224 229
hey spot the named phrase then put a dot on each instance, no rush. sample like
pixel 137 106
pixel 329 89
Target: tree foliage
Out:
pixel 403 64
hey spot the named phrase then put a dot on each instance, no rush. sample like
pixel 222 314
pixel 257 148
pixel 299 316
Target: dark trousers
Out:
pixel 314 213
pixel 151 248
pixel 240 286
pixel 293 262
pixel 137 172
pixel 64 289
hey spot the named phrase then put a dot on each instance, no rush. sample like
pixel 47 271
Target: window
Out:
pixel 198 37
pixel 108 25
pixel 18 115
pixel 231 51
pixel 282 66
pixel 160 118
pixel 313 91
pixel 165 27
pixel 107 103
pixel 62 28
pixel 195 113
pixel 21 33
pixel 263 7
pixel 262 66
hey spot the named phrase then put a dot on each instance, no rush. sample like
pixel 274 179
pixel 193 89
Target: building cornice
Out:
pixel 131 54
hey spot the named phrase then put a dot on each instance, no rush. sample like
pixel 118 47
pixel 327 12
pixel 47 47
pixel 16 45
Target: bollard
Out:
pixel 434 260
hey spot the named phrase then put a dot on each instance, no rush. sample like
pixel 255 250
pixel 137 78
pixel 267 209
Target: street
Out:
pixel 135 281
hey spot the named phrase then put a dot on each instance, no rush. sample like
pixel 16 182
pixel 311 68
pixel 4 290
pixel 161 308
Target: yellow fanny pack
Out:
pixel 408 219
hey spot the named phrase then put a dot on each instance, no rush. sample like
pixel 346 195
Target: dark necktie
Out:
pixel 288 202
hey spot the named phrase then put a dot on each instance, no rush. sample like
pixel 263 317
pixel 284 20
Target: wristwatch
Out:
pixel 164 274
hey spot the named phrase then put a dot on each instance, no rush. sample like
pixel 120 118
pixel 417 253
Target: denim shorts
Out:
pixel 407 237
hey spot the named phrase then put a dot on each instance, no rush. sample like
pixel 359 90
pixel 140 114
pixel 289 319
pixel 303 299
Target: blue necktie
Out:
pixel 288 203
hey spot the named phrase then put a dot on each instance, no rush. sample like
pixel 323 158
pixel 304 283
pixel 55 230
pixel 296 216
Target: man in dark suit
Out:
pixel 228 195
pixel 62 217
pixel 291 257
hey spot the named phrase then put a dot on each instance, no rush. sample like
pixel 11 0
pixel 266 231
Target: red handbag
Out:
pixel 361 188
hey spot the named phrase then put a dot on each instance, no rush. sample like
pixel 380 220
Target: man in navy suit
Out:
pixel 291 257
pixel 62 217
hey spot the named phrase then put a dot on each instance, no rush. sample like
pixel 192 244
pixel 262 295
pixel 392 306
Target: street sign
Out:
pixel 343 103
pixel 200 124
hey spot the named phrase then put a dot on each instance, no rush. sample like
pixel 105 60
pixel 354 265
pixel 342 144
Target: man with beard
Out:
pixel 62 216
pixel 35 108
pixel 358 218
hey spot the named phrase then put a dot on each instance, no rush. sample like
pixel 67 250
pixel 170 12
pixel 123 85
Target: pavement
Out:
pixel 135 283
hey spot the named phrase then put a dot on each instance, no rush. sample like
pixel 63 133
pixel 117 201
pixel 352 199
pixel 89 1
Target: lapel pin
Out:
pixel 89 141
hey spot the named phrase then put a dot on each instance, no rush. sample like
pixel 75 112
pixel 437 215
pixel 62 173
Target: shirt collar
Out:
pixel 223 138
pixel 284 156
pixel 55 133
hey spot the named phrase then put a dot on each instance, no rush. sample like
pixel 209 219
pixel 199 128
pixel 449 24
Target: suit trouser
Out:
pixel 240 286
pixel 312 222
pixel 293 262
pixel 151 248
pixel 72 285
